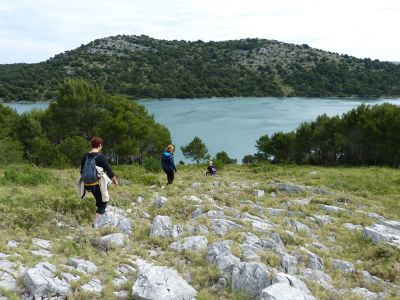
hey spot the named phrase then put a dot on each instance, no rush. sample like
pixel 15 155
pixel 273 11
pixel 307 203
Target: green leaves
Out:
pixel 196 150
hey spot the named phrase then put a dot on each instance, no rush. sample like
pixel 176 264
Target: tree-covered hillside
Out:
pixel 142 67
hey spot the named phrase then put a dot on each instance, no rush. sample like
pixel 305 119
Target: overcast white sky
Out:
pixel 34 30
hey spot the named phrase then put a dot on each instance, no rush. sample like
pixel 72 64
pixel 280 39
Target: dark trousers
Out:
pixel 101 206
pixel 170 175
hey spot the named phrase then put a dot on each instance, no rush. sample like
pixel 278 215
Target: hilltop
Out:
pixel 252 232
pixel 143 67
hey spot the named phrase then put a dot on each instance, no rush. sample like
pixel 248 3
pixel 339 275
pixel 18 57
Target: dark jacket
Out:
pixel 167 161
pixel 101 161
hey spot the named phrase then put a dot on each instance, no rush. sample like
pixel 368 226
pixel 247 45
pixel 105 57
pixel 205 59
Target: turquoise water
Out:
pixel 234 124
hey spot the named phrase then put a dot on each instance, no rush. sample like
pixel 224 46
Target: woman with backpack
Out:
pixel 168 164
pixel 93 163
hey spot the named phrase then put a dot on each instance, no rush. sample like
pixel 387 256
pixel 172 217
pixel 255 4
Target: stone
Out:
pixel 42 282
pixel 68 277
pixel 121 294
pixel 42 252
pixel 7 281
pixel 196 185
pixel 219 253
pixel 381 233
pixel 198 211
pixel 114 218
pixel 83 266
pixel 119 281
pixel 299 226
pixel 191 243
pixel 250 278
pixel 161 283
pixel 343 266
pixel 313 260
pixel 257 223
pixel 301 201
pixel 194 199
pixel 289 188
pixel 177 231
pixel 126 269
pixel 319 277
pixel 113 240
pixel 222 226
pixel 94 286
pixel 391 224
pixel 291 280
pixel 366 294
pixel 161 227
pixel 276 211
pixel 12 244
pixel 321 219
pixel 331 209
pixel 44 244
pixel 140 200
pixel 320 191
pixel 259 193
pixel 283 291
pixel 160 201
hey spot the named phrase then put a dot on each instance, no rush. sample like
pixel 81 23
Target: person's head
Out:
pixel 96 142
pixel 210 163
pixel 170 148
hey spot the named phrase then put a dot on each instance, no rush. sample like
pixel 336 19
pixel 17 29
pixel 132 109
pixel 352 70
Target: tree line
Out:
pixel 180 69
pixel 59 135
pixel 366 135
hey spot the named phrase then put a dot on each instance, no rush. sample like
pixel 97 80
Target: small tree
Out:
pixel 196 150
pixel 224 158
pixel 249 159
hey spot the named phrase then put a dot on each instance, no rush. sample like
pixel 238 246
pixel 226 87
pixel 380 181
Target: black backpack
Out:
pixel 89 173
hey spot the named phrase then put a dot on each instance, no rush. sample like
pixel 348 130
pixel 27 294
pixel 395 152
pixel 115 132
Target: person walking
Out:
pixel 167 163
pixel 96 175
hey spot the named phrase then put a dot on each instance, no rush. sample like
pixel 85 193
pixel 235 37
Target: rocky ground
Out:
pixel 261 232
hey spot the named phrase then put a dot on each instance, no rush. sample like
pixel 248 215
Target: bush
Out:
pixel 73 148
pixel 218 164
pixel 224 158
pixel 27 176
pixel 152 164
pixel 249 159
pixel 42 153
pixel 10 151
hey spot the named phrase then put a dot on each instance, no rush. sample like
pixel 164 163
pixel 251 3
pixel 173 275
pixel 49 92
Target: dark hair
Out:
pixel 96 142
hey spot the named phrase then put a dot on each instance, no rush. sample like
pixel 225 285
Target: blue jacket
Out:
pixel 167 161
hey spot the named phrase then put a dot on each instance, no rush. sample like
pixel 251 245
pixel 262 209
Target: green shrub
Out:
pixel 73 148
pixel 10 151
pixel 152 164
pixel 218 164
pixel 27 176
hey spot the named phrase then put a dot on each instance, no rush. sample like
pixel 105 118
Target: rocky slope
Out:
pixel 248 233
pixel 142 67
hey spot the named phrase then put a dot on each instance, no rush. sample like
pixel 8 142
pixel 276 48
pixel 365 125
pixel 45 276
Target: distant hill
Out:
pixel 142 67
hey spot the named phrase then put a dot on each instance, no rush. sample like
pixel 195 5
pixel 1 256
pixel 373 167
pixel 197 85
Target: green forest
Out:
pixel 59 136
pixel 142 67
pixel 363 136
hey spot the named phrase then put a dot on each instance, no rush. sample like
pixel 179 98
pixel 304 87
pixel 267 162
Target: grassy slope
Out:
pixel 33 207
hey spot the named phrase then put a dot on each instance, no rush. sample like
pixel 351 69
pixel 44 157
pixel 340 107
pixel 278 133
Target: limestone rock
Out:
pixel 83 266
pixel 44 244
pixel 7 281
pixel 161 283
pixel 250 278
pixel 42 282
pixel 343 266
pixel 351 226
pixel 289 187
pixel 283 291
pixel 12 244
pixel 113 240
pixel 121 294
pixel 161 227
pixel 276 211
pixel 42 252
pixel 223 226
pixel 299 226
pixel 193 198
pixel 259 193
pixel 382 233
pixel 93 286
pixel 318 277
pixel 331 209
pixel 160 201
pixel 114 218
pixel 196 185
pixel 292 281
pixel 191 243
pixel 219 253
pixel 366 294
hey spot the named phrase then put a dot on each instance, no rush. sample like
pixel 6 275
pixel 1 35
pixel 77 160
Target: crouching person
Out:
pixel 96 176
pixel 211 169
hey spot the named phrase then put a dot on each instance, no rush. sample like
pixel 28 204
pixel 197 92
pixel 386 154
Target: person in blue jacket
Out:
pixel 167 163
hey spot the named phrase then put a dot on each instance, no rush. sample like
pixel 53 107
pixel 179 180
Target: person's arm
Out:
pixel 171 158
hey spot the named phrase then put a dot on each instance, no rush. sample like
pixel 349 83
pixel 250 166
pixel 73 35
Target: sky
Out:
pixel 35 30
